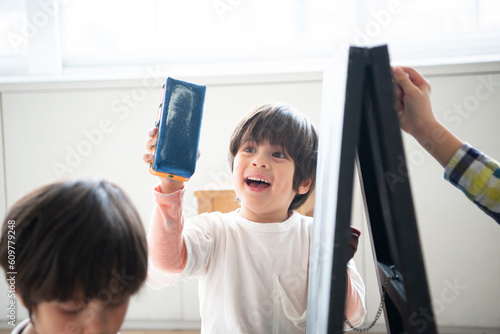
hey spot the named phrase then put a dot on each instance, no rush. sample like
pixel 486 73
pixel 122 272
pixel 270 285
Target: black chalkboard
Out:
pixel 359 124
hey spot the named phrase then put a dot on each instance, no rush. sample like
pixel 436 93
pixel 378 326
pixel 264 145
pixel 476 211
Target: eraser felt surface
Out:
pixel 179 128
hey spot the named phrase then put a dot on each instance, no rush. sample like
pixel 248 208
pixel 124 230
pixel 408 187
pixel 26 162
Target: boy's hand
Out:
pixel 355 233
pixel 414 103
pixel 167 186
pixel 150 144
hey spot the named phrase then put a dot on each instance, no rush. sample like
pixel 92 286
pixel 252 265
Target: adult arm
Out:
pixel 478 177
pixel 417 118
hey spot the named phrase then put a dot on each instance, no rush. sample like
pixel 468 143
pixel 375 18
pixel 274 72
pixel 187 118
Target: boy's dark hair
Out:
pixel 75 237
pixel 283 125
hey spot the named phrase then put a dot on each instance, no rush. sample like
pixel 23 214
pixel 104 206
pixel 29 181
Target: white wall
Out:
pixel 42 123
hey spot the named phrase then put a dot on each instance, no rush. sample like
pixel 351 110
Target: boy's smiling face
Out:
pixel 263 180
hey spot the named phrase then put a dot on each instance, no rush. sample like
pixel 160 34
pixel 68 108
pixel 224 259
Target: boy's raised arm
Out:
pixel 166 246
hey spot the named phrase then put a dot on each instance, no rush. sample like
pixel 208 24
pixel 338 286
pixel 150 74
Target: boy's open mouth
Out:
pixel 257 183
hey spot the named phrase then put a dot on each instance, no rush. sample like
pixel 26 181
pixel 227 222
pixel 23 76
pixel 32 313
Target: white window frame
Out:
pixel 45 56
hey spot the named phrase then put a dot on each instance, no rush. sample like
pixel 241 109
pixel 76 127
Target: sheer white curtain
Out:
pixel 89 33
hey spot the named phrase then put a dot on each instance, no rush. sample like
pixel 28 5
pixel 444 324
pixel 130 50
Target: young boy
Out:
pixel 252 264
pixel 75 252
pixel 471 171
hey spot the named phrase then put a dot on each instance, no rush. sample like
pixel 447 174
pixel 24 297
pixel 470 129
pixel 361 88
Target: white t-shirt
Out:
pixel 19 329
pixel 253 277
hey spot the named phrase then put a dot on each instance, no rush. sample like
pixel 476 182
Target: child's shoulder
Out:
pixel 303 220
pixel 301 217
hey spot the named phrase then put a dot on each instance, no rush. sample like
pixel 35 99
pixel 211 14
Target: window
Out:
pixel 433 29
pixel 93 33
pixel 198 30
pixel 13 37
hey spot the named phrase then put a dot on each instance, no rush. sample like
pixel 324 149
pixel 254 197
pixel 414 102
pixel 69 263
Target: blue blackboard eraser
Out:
pixel 179 123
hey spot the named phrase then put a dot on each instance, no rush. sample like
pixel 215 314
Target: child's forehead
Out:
pixel 264 142
pixel 104 295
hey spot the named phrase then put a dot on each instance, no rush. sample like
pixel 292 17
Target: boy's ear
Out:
pixel 304 187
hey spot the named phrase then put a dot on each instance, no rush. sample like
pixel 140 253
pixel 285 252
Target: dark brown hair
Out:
pixel 283 125
pixel 75 237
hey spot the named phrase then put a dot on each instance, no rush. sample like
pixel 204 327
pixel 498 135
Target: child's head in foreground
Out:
pixel 80 253
pixel 287 130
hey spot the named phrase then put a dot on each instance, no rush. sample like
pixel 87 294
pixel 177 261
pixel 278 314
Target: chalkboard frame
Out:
pixel 370 137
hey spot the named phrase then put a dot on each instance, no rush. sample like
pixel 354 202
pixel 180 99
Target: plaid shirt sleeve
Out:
pixel 478 176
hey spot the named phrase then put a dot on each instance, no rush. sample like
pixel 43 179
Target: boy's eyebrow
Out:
pixel 277 146
pixel 247 143
pixel 77 296
pixel 69 301
pixel 74 297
